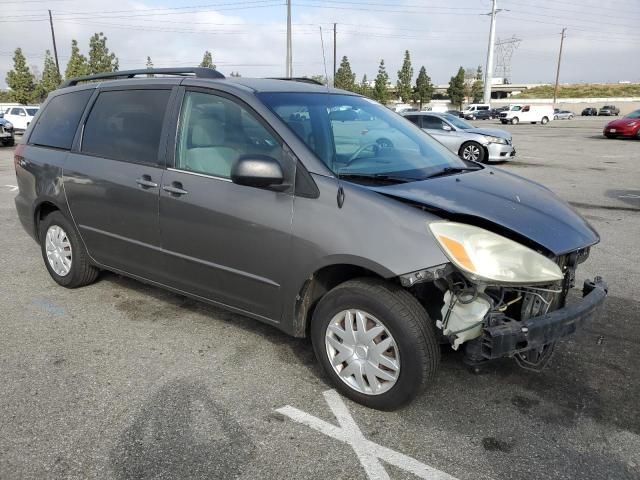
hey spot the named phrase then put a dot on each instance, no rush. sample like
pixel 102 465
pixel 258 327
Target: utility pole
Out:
pixel 335 36
pixel 289 52
pixel 488 73
pixel 555 90
pixel 53 36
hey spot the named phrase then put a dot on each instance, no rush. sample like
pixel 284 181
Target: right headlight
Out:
pixel 492 139
pixel 488 257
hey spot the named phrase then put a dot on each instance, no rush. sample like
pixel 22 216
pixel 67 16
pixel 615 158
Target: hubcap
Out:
pixel 362 352
pixel 471 152
pixel 58 249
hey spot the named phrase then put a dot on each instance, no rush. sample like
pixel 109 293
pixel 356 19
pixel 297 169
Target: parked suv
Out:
pixel 359 231
pixel 20 117
pixel 609 110
pixel 7 137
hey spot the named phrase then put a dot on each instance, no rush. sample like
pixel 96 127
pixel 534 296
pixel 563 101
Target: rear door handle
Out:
pixel 146 182
pixel 175 189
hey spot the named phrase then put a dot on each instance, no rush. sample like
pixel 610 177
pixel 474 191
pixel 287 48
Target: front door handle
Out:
pixel 145 182
pixel 175 189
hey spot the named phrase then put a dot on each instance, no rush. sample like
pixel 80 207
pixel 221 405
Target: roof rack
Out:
pixel 198 72
pixel 299 79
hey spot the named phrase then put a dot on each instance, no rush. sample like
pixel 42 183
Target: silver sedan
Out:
pixel 463 139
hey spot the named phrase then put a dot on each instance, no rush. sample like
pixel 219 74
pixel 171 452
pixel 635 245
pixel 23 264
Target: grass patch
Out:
pixel 594 90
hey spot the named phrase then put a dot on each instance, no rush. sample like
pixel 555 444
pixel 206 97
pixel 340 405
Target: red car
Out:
pixel 628 126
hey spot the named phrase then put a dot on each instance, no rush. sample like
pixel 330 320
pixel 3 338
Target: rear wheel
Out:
pixel 472 151
pixel 544 120
pixel 376 342
pixel 64 254
pixel 515 120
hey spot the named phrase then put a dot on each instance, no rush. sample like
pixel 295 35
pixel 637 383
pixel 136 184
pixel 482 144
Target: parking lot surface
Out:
pixel 123 380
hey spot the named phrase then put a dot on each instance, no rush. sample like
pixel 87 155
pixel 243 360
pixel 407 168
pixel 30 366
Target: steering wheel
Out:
pixel 378 144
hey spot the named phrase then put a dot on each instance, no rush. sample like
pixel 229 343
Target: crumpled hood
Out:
pixel 495 132
pixel 498 200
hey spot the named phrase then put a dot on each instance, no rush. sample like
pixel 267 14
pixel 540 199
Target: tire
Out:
pixel 608 135
pixel 515 120
pixel 570 117
pixel 80 271
pixel 555 117
pixel 402 317
pixel 544 120
pixel 472 151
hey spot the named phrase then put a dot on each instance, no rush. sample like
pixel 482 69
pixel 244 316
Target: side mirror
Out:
pixel 258 171
pixel 446 128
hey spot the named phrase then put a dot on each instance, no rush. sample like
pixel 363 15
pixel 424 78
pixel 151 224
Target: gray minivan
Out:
pixel 354 228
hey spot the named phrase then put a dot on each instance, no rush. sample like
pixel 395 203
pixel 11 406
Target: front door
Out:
pixel 113 182
pixel 225 242
pixel 435 127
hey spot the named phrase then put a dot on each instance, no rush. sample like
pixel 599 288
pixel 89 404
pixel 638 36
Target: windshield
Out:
pixel 458 122
pixel 515 108
pixel 32 111
pixel 357 136
pixel 635 114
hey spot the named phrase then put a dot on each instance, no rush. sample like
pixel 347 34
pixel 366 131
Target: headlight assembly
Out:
pixel 487 257
pixel 495 140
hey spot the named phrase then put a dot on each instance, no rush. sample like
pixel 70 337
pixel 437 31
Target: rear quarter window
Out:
pixel 59 120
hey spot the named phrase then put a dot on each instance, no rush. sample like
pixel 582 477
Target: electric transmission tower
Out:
pixel 504 52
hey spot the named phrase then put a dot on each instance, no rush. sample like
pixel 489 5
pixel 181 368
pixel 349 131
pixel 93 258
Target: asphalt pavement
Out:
pixel 122 380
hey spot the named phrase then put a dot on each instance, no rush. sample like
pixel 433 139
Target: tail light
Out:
pixel 18 159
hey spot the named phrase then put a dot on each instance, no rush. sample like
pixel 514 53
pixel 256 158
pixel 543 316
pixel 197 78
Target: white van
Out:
pixel 21 116
pixel 527 113
pixel 470 112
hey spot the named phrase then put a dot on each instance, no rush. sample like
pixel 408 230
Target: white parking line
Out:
pixel 368 452
pixel 12 188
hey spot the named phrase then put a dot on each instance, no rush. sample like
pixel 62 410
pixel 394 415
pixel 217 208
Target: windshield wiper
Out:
pixel 378 176
pixel 452 170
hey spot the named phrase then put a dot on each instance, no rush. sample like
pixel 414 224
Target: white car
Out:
pixel 518 113
pixel 21 116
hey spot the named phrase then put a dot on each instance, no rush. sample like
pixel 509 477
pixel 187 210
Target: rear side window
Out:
pixel 126 125
pixel 413 119
pixel 58 122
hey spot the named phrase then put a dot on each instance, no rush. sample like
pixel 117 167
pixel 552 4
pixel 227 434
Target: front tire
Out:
pixel 63 252
pixel 515 120
pixel 375 342
pixel 472 151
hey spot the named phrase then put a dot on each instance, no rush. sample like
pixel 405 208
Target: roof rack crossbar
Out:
pixel 198 72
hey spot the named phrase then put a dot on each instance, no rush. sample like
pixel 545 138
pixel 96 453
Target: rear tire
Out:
pixel 515 120
pixel 57 235
pixel 414 349
pixel 544 120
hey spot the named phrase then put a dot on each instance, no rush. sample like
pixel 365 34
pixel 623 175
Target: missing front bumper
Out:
pixel 512 336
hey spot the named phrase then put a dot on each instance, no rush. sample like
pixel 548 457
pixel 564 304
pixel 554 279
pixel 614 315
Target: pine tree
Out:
pixel 50 78
pixel 149 66
pixel 345 78
pixel 100 59
pixel 477 89
pixel 365 89
pixel 380 90
pixel 319 78
pixel 207 60
pixel 235 74
pixel 456 88
pixel 20 80
pixel 405 75
pixel 77 65
pixel 424 87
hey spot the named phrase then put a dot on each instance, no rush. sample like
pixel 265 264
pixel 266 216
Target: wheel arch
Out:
pixel 42 209
pixel 320 282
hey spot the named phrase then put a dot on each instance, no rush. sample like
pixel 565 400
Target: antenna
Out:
pixel 324 60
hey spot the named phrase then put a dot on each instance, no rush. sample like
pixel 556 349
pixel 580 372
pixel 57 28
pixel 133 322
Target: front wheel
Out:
pixel 376 342
pixel 555 117
pixel 472 151
pixel 544 120
pixel 515 120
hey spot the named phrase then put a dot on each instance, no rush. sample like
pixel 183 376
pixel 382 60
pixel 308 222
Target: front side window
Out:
pixel 32 112
pixel 126 125
pixel 355 136
pixel 18 111
pixel 57 125
pixel 432 123
pixel 215 131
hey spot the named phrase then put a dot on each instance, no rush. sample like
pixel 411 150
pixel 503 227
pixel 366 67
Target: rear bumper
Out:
pixel 513 337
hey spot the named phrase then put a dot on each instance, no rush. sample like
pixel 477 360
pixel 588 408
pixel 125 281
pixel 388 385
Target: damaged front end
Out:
pixel 491 317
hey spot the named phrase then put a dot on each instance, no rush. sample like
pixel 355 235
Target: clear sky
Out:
pixel 249 36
